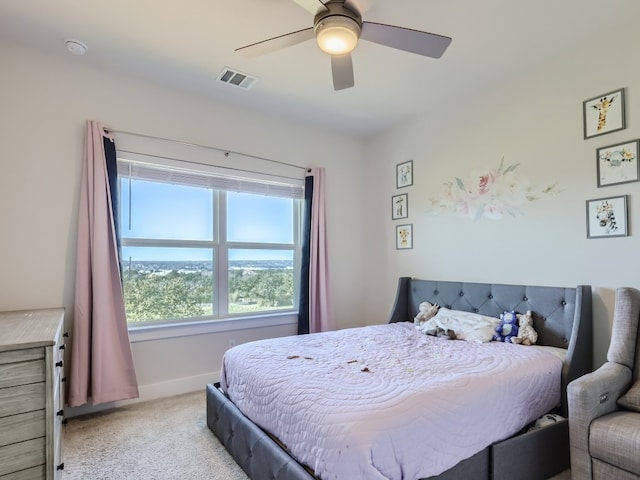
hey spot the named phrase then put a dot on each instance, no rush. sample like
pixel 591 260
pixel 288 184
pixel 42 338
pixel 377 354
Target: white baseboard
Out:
pixel 152 391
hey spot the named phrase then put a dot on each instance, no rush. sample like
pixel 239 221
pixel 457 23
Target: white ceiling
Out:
pixel 185 44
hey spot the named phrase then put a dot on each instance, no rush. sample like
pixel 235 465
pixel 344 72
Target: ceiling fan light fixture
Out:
pixel 337 35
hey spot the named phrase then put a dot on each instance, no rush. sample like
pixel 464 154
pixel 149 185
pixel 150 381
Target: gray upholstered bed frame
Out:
pixel 562 318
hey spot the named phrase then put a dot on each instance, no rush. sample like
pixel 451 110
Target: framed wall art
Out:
pixel 400 206
pixel 604 114
pixel 607 217
pixel 404 174
pixel 618 163
pixel 404 237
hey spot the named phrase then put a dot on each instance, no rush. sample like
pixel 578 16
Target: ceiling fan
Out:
pixel 337 28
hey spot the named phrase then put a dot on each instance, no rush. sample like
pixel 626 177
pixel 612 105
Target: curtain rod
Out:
pixel 208 164
pixel 226 152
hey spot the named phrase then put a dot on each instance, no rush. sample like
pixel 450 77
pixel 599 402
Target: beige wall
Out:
pixel 533 118
pixel 45 103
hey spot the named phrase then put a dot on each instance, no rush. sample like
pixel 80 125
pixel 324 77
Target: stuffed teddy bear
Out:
pixel 508 327
pixel 427 311
pixel 526 333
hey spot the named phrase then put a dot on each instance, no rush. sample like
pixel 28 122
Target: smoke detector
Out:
pixel 75 46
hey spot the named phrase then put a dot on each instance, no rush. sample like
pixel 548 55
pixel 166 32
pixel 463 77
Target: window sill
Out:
pixel 146 333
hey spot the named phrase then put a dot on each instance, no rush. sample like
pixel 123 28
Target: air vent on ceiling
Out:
pixel 236 78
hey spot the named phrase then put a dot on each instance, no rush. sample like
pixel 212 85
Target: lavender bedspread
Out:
pixel 386 401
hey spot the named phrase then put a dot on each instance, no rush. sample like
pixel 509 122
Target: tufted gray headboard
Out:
pixel 562 316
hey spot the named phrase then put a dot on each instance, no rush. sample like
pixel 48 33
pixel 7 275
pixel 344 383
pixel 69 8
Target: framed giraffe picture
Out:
pixel 607 217
pixel 404 237
pixel 604 114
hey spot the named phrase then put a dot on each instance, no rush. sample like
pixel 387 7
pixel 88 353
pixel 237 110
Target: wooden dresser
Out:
pixel 31 394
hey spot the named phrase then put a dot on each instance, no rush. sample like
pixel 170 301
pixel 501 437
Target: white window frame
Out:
pixel 218 322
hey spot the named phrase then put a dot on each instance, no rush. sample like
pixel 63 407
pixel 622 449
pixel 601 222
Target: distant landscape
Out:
pixel 162 289
pixel 200 266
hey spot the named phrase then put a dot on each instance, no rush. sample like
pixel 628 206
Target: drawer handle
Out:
pixel 59 364
pixel 60 413
pixel 60 467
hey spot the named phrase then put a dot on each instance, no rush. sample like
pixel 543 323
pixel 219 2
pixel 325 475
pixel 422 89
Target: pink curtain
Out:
pixel 101 360
pixel 321 317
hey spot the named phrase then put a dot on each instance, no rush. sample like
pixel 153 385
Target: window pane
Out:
pixel 260 280
pixel 167 283
pixel 259 218
pixel 165 211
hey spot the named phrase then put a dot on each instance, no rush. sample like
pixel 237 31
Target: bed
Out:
pixel 562 320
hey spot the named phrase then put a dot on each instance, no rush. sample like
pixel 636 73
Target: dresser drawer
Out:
pixel 35 473
pixel 58 428
pixel 24 355
pixel 19 456
pixel 25 398
pixel 12 374
pixel 25 426
pixel 59 349
pixel 57 455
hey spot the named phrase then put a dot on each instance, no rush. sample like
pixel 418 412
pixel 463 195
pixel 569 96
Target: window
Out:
pixel 198 245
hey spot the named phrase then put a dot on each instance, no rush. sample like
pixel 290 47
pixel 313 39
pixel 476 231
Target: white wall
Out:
pixel 533 118
pixel 45 103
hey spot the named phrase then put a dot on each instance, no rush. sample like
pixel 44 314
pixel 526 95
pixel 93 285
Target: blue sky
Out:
pixel 166 211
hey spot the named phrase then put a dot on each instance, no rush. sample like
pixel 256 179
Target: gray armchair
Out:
pixel 604 406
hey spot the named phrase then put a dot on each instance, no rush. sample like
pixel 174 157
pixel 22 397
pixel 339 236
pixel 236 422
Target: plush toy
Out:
pixel 546 420
pixel 441 332
pixel 526 333
pixel 422 323
pixel 508 327
pixel 427 311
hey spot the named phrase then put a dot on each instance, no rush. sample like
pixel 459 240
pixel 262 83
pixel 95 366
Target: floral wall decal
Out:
pixel 491 194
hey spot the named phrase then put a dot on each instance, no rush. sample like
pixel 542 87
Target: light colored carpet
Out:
pixel 162 439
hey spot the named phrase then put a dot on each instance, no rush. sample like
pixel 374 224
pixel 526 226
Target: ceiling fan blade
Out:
pixel 276 43
pixel 360 6
pixel 312 6
pixel 342 71
pixel 414 41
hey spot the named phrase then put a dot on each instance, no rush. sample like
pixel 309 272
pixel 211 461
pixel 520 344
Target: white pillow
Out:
pixel 468 326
